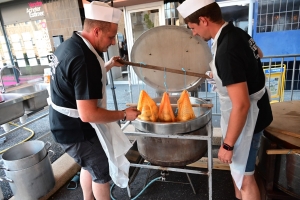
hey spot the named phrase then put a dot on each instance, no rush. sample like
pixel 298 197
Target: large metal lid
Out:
pixel 171 47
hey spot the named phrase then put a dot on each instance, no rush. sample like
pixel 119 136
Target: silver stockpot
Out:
pixel 33 182
pixel 174 152
pixel 25 155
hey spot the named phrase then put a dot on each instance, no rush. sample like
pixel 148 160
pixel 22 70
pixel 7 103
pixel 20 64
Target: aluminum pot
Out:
pixel 174 152
pixel 24 155
pixel 33 182
pixel 287 169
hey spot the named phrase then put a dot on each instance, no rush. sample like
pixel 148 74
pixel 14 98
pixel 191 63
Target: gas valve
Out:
pixel 164 174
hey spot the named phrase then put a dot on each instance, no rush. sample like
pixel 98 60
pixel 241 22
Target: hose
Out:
pixel 27 129
pixel 111 196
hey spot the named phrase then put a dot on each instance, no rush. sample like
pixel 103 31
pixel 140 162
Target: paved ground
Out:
pixel 42 132
pixel 222 183
pixel 178 189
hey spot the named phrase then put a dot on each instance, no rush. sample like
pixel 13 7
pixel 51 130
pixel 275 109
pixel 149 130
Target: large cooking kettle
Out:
pixel 172 47
pixel 175 152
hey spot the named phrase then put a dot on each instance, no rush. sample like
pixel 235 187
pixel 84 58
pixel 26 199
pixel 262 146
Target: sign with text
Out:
pixel 275 80
pixel 14 12
pixel 35 9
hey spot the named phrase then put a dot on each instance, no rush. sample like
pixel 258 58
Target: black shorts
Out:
pixel 91 157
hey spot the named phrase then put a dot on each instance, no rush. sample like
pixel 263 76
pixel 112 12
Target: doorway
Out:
pixel 139 19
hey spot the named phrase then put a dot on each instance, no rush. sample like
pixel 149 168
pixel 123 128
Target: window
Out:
pixel 30 43
pixel 171 14
pixel 278 15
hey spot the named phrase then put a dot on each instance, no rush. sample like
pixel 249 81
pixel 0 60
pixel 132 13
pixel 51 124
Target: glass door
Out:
pixel 139 19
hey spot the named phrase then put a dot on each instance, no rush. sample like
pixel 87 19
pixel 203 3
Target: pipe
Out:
pixel 113 90
pixel 156 179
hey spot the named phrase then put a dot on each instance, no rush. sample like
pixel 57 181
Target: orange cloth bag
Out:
pixel 165 113
pixel 148 108
pixel 185 109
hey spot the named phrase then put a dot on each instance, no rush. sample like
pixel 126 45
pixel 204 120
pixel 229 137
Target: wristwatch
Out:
pixel 227 147
pixel 124 119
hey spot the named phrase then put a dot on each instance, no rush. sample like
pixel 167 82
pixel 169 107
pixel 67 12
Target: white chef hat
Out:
pixel 102 11
pixel 190 6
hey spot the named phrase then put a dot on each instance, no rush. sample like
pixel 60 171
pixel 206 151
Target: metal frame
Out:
pixel 194 137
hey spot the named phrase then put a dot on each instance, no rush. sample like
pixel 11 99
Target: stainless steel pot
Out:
pixel 174 152
pixel 24 155
pixel 33 182
pixel 156 47
pixel 287 169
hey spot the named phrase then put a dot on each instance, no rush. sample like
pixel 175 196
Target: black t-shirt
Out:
pixel 237 61
pixel 76 75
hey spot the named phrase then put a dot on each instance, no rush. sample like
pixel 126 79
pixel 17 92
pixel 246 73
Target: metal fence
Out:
pixel 291 85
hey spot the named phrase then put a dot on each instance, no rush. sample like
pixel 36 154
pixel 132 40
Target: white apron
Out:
pixel 114 142
pixel 242 145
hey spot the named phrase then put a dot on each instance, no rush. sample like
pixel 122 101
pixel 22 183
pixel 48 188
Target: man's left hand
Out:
pixel 224 155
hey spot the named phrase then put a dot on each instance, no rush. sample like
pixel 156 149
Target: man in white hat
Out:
pixel 240 81
pixel 78 111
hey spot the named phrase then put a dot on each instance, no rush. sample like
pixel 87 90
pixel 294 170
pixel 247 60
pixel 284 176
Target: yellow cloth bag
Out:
pixel 148 108
pixel 185 109
pixel 165 113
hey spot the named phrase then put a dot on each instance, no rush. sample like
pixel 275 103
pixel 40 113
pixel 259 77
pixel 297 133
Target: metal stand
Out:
pixel 208 138
pixel 166 173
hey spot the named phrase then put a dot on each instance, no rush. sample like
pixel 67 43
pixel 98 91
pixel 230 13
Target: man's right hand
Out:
pixel 131 113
